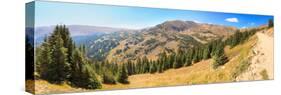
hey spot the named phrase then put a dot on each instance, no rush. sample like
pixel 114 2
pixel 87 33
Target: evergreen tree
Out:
pixel 138 66
pixel 172 60
pixel 77 66
pixel 177 63
pixel 123 75
pixel 219 57
pixel 88 79
pixel 59 67
pixel 153 67
pixel 67 41
pixel 82 75
pixel 270 23
pixel 129 65
pixel 43 59
pixel 160 66
pixel 57 63
pixel 206 53
pixel 195 56
pixel 188 60
pixel 108 78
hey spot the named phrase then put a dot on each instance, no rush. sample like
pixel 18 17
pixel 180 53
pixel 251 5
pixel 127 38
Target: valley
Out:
pixel 176 56
pixel 166 37
pixel 199 73
pixel 73 47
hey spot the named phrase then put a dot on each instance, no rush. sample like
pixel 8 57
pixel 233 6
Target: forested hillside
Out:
pixel 120 60
pixel 170 36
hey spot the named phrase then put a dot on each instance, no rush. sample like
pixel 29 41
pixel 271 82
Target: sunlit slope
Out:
pixel 261 66
pixel 199 73
pixel 241 60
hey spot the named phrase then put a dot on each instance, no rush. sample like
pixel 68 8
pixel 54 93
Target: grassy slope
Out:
pixel 199 73
pixel 261 66
pixel 44 87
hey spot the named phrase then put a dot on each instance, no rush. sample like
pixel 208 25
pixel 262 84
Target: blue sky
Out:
pixel 52 13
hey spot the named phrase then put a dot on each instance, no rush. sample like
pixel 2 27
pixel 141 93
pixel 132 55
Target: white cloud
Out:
pixel 252 23
pixel 196 21
pixel 232 20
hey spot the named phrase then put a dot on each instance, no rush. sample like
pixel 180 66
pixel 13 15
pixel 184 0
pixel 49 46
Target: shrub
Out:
pixel 87 79
pixel 123 75
pixel 108 78
pixel 243 66
pixel 264 74
pixel 219 60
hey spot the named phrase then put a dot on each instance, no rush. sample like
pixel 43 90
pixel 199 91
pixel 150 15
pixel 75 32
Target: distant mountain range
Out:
pixel 168 36
pixel 78 32
pixel 119 45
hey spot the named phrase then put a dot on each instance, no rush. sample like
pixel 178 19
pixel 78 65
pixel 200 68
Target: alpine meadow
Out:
pixel 72 47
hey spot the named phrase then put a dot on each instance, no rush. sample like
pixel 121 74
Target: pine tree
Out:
pixel 59 67
pixel 67 41
pixel 108 78
pixel 77 65
pixel 129 67
pixel 177 62
pixel 188 60
pixel 195 56
pixel 219 60
pixel 82 75
pixel 58 60
pixel 172 60
pixel 43 59
pixel 88 79
pixel 206 53
pixel 219 57
pixel 270 23
pixel 160 68
pixel 153 65
pixel 123 75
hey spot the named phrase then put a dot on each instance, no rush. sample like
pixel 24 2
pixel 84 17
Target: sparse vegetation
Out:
pixel 243 66
pixel 60 61
pixel 150 41
pixel 264 74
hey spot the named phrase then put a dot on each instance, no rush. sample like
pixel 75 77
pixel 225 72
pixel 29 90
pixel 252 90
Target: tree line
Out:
pixel 182 58
pixel 58 60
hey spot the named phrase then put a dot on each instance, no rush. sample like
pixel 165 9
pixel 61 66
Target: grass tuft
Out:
pixel 264 74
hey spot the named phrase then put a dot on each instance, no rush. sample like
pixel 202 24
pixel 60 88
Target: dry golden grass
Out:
pixel 43 87
pixel 199 73
pixel 29 86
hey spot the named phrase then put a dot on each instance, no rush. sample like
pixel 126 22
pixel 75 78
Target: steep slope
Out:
pixel 169 36
pixel 99 48
pixel 261 66
pixel 199 73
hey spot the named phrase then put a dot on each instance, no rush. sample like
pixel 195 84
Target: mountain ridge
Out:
pixel 167 36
